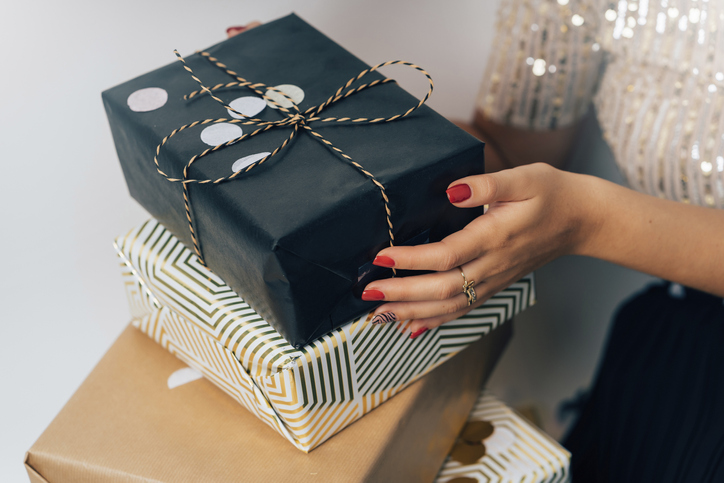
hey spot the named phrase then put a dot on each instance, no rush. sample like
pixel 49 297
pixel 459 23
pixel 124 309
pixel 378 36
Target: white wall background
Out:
pixel 63 197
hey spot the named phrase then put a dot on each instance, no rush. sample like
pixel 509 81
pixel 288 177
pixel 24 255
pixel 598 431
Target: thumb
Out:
pixel 483 189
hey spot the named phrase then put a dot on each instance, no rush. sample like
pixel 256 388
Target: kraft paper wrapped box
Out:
pixel 307 394
pixel 498 445
pixel 296 233
pixel 130 421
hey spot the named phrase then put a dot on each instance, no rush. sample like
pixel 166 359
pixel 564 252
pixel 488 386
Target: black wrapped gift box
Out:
pixel 294 236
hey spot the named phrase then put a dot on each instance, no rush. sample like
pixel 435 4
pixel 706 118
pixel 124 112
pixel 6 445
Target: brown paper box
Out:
pixel 124 424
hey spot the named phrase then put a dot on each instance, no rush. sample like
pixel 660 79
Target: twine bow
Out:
pixel 294 119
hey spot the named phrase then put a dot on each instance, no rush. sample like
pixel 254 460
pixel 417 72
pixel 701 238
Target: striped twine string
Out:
pixel 294 119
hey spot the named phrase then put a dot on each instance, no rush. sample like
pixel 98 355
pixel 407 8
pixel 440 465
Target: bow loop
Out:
pixel 292 117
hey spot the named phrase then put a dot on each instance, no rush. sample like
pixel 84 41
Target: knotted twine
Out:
pixel 293 118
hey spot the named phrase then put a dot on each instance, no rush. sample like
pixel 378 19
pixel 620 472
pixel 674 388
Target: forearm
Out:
pixel 675 241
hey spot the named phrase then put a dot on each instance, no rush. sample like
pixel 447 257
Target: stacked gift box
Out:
pixel 127 422
pixel 306 394
pixel 356 165
pixel 270 201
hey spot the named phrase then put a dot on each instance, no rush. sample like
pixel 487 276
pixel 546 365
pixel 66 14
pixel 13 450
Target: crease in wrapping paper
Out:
pixel 325 324
pixel 68 469
pixel 34 476
pixel 307 395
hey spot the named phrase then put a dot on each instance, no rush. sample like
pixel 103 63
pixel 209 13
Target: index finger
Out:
pixel 453 251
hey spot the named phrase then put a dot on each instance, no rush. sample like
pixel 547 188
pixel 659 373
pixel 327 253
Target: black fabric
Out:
pixel 656 410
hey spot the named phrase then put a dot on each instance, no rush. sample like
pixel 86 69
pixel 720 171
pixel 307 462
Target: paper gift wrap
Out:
pixel 498 445
pixel 295 233
pixel 130 421
pixel 306 394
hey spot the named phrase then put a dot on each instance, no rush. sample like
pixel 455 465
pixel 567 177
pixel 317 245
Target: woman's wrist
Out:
pixel 589 203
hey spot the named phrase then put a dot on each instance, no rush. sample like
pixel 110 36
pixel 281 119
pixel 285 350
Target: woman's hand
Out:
pixel 536 213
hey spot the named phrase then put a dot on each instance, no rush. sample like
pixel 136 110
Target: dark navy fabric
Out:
pixel 656 409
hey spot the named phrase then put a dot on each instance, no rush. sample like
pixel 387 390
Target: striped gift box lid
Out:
pixel 308 394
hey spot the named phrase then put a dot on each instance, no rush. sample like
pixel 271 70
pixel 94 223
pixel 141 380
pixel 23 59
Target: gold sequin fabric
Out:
pixel 653 69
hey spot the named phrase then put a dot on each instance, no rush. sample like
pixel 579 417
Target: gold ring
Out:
pixel 468 289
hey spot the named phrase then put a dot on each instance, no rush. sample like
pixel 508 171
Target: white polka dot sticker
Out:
pixel 242 163
pixel 294 92
pixel 249 106
pixel 501 439
pixel 183 376
pixel 148 99
pixel 220 133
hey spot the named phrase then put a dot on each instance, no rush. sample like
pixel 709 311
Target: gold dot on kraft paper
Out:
pixel 467 453
pixel 470 447
pixel 476 431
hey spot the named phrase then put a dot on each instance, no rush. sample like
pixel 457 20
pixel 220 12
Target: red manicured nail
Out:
pixel 418 333
pixel 235 29
pixel 372 295
pixel 458 193
pixel 383 261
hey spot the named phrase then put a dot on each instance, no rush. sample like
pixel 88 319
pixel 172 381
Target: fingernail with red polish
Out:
pixel 383 261
pixel 418 333
pixel 384 318
pixel 372 295
pixel 458 193
pixel 235 29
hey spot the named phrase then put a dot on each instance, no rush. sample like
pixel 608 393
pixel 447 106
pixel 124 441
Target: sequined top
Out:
pixel 654 70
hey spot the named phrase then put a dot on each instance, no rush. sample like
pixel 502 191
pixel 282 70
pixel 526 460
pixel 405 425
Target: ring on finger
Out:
pixel 468 289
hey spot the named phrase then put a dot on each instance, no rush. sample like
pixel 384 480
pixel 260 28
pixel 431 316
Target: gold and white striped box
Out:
pixel 309 394
pixel 498 445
